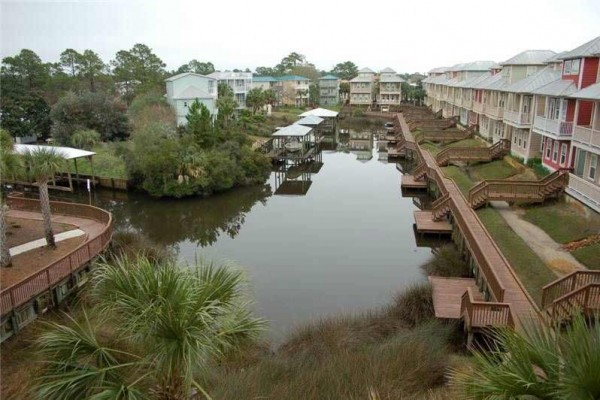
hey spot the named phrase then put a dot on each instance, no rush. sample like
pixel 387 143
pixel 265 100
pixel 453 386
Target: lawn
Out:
pixel 467 143
pixel 530 269
pixel 430 147
pixel 463 182
pixel 563 222
pixel 106 163
pixel 498 169
pixel 589 256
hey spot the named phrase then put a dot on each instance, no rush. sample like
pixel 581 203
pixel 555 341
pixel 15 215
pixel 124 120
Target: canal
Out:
pixel 335 237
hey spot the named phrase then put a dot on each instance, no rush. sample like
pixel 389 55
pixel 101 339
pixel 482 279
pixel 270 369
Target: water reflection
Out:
pixel 295 177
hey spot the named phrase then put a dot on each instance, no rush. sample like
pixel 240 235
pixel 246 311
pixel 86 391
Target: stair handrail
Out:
pixel 565 285
pixel 420 170
pixel 586 289
pixel 476 190
pixel 468 304
pixel 440 207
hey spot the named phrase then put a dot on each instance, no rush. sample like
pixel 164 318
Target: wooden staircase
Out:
pixel 525 191
pixel 441 207
pixel 577 292
pixel 472 154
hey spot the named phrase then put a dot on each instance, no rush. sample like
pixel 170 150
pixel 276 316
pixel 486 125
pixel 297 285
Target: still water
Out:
pixel 335 237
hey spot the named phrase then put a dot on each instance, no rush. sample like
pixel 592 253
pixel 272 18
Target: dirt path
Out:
pixel 561 262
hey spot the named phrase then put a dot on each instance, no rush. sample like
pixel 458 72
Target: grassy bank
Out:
pixel 107 164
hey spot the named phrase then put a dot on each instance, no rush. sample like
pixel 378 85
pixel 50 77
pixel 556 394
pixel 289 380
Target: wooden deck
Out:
pixel 425 224
pixel 503 283
pixel 447 295
pixel 409 182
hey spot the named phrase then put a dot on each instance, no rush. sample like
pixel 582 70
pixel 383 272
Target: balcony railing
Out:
pixel 495 112
pixel 517 117
pixel 552 126
pixel 468 103
pixel 586 135
pixel 478 107
pixel 585 190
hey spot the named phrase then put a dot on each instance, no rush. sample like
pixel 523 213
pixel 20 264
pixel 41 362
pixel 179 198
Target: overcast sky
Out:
pixel 408 36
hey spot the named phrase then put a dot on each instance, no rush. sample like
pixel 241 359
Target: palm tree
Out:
pixel 42 164
pixel 158 328
pixel 541 363
pixel 9 166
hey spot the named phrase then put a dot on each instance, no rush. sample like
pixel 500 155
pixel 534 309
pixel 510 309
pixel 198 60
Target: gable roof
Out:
pixel 438 70
pixel 491 82
pixel 179 76
pixel 292 78
pixel 311 120
pixel 473 66
pixel 589 49
pixel 264 79
pixel 320 112
pixel 192 92
pixel 530 57
pixel 293 130
pixel 366 71
pixel 329 77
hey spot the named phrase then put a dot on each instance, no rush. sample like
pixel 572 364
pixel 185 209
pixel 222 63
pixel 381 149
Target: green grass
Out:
pixel 430 147
pixel 467 143
pixel 463 182
pixel 530 269
pixel 589 256
pixel 498 169
pixel 106 163
pixel 562 222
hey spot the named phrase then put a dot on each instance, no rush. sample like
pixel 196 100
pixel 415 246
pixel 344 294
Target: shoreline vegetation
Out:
pixel 344 356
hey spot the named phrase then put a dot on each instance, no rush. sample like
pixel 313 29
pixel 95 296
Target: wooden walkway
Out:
pixel 409 182
pixel 447 295
pixel 503 283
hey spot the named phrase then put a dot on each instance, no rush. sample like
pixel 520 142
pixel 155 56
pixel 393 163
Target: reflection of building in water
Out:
pixel 295 178
pixel 329 142
pixel 361 144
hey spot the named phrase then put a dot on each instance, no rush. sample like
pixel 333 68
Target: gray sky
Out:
pixel 408 36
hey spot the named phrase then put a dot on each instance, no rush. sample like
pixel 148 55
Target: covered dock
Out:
pixel 329 118
pixel 315 123
pixel 294 142
pixel 68 153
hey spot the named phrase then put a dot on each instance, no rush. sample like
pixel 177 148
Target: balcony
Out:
pixel 584 190
pixel 468 103
pixel 554 127
pixel 586 135
pixel 495 112
pixel 478 107
pixel 517 118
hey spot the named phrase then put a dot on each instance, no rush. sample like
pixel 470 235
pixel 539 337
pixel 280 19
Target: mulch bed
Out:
pixel 20 230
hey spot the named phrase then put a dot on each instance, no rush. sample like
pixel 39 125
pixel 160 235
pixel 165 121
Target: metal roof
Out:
pixel 329 78
pixel 558 88
pixel 360 78
pixel 68 153
pixel 192 92
pixel 391 79
pixel 366 71
pixel 589 49
pixel 311 120
pixel 439 70
pixel 556 58
pixel 320 112
pixel 534 81
pixel 230 75
pixel 293 130
pixel 491 82
pixel 530 57
pixel 468 83
pixel 178 76
pixel 292 78
pixel 473 66
pixel 591 92
pixel 387 71
pixel 453 82
pixel 264 79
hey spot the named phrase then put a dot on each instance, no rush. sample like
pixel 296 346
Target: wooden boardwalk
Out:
pixel 503 283
pixel 447 295
pixel 425 223
pixel 409 182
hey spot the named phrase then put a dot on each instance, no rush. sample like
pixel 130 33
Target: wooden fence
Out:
pixel 46 278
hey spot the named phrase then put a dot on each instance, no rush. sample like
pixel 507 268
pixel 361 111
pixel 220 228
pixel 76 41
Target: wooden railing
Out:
pixel 484 314
pixel 586 299
pixel 498 150
pixel 44 279
pixel 511 190
pixel 441 207
pixel 567 284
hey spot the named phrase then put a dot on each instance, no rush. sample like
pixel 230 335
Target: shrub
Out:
pixel 136 245
pixel 447 262
pixel 414 305
pixel 85 139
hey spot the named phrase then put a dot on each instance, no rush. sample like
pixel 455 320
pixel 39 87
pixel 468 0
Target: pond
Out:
pixel 334 236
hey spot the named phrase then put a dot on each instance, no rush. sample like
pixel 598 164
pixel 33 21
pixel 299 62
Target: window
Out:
pixel 580 161
pixel 563 109
pixel 555 152
pixel 567 68
pixel 563 154
pixel 593 167
pixel 575 67
pixel 548 148
pixel 185 103
pixel 553 108
pixel 531 70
